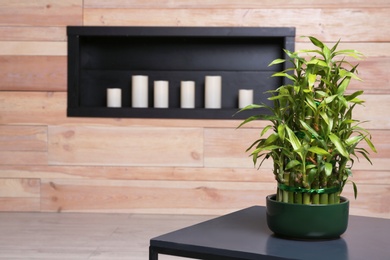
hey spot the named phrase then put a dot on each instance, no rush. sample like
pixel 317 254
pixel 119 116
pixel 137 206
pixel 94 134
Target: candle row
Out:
pixel 139 93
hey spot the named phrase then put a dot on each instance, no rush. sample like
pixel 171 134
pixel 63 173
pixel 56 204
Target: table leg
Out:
pixel 153 255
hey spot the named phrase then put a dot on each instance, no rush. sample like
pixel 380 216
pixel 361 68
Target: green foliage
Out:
pixel 314 137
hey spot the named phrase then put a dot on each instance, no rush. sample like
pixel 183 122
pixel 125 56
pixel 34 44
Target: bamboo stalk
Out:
pixel 324 199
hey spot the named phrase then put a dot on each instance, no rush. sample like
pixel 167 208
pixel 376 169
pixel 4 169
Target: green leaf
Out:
pixel 339 146
pixel 311 176
pixel 317 62
pixel 343 85
pixel 311 79
pixel 283 74
pixel 352 53
pixel 282 132
pixel 316 42
pixel 296 144
pixel 354 95
pixel 271 139
pixel 354 140
pixel 328 169
pixel 370 144
pixel 330 99
pixel 292 164
pixel 276 61
pixel 355 191
pixel 310 129
pixel 265 130
pixel 318 150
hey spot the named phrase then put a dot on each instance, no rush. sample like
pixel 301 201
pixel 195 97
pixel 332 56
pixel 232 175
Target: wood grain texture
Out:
pixel 23 138
pixel 33 33
pixel 317 22
pixel 15 188
pixel 41 13
pixel 143 173
pixel 23 73
pixel 20 204
pixel 33 48
pixel 150 197
pixel 230 4
pixel 173 197
pixel 158 146
pixel 23 158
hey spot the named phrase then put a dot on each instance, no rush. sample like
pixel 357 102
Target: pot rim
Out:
pixel 271 198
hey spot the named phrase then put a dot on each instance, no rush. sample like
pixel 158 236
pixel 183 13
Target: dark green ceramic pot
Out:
pixel 299 221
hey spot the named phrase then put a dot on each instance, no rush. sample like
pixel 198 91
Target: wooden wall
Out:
pixel 51 163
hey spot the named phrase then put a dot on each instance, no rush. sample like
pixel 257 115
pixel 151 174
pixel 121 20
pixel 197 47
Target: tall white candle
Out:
pixel 139 91
pixel 245 97
pixel 187 94
pixel 114 97
pixel 161 94
pixel 213 92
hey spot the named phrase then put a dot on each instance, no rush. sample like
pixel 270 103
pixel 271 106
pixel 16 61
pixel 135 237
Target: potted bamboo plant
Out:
pixel 313 141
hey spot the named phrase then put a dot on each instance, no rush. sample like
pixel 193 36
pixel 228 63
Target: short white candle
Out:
pixel 161 94
pixel 139 91
pixel 245 97
pixel 187 94
pixel 213 91
pixel 114 97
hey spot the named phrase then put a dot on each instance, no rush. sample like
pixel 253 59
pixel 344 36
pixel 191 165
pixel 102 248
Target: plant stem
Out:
pixel 306 198
pixel 298 198
pixel 286 180
pixel 332 198
pixel 324 199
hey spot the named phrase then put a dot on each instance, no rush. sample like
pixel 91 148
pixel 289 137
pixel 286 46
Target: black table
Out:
pixel 244 235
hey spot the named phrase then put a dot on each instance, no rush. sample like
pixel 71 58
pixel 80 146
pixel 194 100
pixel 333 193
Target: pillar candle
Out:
pixel 114 97
pixel 245 97
pixel 139 91
pixel 161 94
pixel 213 91
pixel 187 94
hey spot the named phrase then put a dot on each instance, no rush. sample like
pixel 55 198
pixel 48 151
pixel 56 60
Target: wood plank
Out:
pixel 181 198
pixel 19 204
pixel 372 200
pixel 23 138
pixel 142 173
pixel 150 197
pixel 22 73
pixel 230 4
pixel 19 188
pixel 29 48
pixel 76 145
pixel 33 33
pixel 322 23
pixel 41 13
pixel 23 158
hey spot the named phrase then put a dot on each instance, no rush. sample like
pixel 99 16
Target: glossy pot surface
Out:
pixel 298 221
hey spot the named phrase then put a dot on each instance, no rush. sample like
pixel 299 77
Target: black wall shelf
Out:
pixel 106 57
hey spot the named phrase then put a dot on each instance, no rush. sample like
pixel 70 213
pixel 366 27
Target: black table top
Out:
pixel 244 235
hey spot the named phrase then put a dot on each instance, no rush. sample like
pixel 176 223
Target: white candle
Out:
pixel 245 97
pixel 161 94
pixel 139 91
pixel 213 91
pixel 114 97
pixel 187 94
